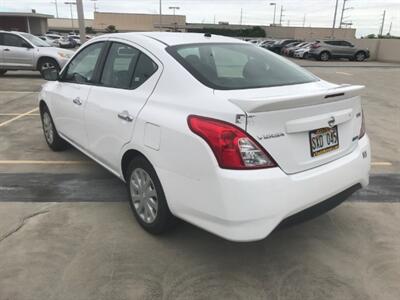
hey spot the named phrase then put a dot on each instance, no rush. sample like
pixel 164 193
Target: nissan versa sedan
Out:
pixel 212 130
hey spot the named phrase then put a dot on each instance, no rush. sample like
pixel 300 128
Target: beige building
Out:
pixel 66 24
pixel 137 22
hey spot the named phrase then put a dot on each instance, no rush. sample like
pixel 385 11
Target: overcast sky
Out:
pixel 366 15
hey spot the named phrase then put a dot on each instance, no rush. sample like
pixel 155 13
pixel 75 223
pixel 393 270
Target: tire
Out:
pixel 2 72
pixel 53 140
pixel 305 55
pixel 360 56
pixel 47 63
pixel 324 56
pixel 150 206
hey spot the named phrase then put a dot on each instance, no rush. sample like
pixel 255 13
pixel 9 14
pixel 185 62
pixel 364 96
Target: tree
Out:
pixel 89 29
pixel 111 29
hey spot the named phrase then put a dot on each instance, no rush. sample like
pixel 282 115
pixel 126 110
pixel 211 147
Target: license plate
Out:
pixel 323 140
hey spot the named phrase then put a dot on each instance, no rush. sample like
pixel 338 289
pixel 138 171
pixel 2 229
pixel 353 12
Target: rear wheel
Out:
pixel 48 63
pixel 55 142
pixel 147 198
pixel 360 56
pixel 324 56
pixel 2 72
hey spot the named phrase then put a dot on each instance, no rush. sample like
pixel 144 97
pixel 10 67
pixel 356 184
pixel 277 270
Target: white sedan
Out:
pixel 218 132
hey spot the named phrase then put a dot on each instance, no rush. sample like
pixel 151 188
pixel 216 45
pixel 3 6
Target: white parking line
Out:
pixel 381 163
pixel 18 117
pixel 344 73
pixel 18 92
pixel 16 114
pixel 44 162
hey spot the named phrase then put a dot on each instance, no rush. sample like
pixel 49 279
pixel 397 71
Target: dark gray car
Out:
pixel 325 50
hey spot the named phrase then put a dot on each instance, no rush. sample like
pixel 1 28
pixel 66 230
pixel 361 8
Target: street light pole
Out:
pixel 174 8
pixel 160 15
pixel 72 16
pixel 334 20
pixel 81 21
pixel 274 4
pixel 56 4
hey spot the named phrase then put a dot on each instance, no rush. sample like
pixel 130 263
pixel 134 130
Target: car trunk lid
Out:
pixel 286 120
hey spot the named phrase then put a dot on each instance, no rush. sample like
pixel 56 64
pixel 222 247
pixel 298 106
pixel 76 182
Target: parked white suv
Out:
pixel 24 51
pixel 209 129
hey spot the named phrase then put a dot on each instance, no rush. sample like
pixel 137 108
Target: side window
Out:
pixel 346 44
pixel 143 71
pixel 81 68
pixel 119 66
pixel 13 40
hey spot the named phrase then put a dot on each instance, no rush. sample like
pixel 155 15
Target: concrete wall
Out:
pixel 136 22
pixel 308 33
pixel 381 49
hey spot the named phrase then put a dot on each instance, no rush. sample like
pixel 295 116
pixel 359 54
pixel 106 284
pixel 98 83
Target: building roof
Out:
pixel 25 14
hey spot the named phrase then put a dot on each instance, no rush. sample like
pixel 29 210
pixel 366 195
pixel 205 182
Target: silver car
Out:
pixel 325 50
pixel 24 51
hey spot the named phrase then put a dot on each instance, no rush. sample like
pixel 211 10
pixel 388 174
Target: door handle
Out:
pixel 125 116
pixel 6 49
pixel 77 101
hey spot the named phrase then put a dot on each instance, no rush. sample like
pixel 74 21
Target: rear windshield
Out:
pixel 238 66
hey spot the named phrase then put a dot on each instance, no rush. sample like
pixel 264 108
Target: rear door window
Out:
pixel 120 65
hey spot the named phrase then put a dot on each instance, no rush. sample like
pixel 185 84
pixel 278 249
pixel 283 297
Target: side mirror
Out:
pixel 51 74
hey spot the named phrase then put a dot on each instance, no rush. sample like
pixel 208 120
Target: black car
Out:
pixel 277 46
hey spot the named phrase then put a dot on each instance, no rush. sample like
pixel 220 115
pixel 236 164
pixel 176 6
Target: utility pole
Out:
pixel 281 16
pixel 81 21
pixel 174 8
pixel 160 15
pixel 241 16
pixel 390 28
pixel 334 20
pixel 56 4
pixel 304 20
pixel 274 4
pixel 383 23
pixel 344 8
pixel 72 15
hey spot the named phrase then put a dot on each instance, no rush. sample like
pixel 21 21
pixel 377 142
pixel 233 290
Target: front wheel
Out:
pixel 324 56
pixel 2 72
pixel 53 140
pixel 48 63
pixel 147 198
pixel 305 55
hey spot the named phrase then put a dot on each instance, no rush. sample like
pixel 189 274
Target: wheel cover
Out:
pixel 144 195
pixel 324 56
pixel 360 56
pixel 47 65
pixel 48 128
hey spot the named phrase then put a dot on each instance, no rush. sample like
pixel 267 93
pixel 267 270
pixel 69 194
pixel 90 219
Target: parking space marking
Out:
pixel 344 73
pixel 45 162
pixel 19 92
pixel 17 114
pixel 18 117
pixel 381 163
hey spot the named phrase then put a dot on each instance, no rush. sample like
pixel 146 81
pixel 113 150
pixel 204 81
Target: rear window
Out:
pixel 238 66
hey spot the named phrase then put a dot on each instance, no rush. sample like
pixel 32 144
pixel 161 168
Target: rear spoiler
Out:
pixel 266 104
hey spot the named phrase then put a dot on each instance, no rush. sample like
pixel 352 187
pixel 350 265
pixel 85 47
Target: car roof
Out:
pixel 178 38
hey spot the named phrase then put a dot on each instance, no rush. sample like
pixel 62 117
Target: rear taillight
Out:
pixel 362 130
pixel 232 147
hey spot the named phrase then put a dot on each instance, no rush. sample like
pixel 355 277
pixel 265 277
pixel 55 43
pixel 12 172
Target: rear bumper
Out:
pixel 248 205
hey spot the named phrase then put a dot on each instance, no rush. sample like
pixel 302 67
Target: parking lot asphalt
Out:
pixel 66 230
